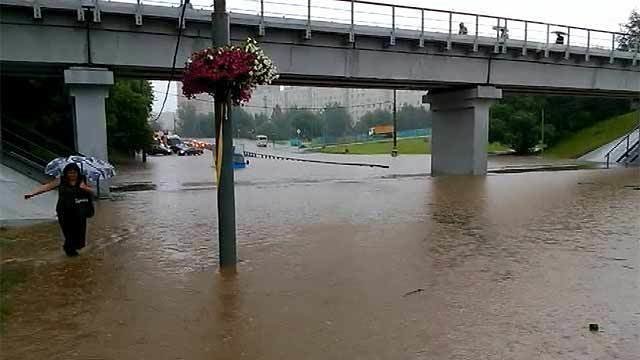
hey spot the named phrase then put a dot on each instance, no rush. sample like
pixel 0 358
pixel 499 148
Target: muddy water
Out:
pixel 342 263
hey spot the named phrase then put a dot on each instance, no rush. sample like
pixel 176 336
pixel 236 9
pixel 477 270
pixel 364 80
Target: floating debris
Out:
pixel 413 292
pixel 143 186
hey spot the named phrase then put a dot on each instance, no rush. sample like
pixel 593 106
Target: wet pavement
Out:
pixel 341 263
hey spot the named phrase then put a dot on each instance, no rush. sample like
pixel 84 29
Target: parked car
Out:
pixel 159 149
pixel 187 150
pixel 195 145
pixel 175 143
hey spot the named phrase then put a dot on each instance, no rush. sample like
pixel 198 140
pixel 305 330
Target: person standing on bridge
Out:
pixel 73 208
pixel 463 29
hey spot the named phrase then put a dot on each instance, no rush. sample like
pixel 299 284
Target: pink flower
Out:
pixel 232 67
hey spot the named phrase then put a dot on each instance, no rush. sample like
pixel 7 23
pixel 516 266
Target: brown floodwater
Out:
pixel 340 263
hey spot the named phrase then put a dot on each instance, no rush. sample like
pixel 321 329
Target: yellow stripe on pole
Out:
pixel 219 153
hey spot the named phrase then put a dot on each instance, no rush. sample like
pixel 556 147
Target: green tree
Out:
pixel 260 119
pixel 243 123
pixel 267 128
pixel 411 117
pixel 373 118
pixel 187 119
pixel 514 122
pixel 632 32
pixel 281 125
pixel 309 123
pixel 194 124
pixel 128 108
pixel 523 130
pixel 336 120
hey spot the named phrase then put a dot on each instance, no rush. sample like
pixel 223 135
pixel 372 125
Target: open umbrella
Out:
pixel 94 169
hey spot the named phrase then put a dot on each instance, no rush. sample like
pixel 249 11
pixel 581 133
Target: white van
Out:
pixel 262 140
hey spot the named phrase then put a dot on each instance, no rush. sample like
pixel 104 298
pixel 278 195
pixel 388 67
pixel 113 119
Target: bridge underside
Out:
pixel 29 69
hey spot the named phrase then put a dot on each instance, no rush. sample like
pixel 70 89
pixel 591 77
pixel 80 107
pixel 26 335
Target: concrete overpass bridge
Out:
pixel 325 43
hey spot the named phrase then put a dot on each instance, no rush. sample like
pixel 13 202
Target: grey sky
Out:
pixel 602 15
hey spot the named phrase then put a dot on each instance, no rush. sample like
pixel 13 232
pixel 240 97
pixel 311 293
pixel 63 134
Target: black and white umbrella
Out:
pixel 94 169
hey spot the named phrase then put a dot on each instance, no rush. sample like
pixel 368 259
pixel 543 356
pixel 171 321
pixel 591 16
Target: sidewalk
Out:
pixel 14 210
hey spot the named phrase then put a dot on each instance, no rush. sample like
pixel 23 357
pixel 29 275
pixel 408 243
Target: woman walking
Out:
pixel 73 207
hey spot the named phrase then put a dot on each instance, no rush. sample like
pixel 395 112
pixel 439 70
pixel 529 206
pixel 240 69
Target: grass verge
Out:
pixel 593 137
pixel 405 147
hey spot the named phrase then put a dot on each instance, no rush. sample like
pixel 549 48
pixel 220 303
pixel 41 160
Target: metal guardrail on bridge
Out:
pixel 399 20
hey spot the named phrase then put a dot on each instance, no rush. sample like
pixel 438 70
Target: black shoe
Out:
pixel 71 253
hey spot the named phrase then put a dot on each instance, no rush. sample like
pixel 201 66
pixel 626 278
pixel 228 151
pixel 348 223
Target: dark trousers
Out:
pixel 74 229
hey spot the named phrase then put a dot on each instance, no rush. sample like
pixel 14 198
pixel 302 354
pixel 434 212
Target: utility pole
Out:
pixel 394 151
pixel 224 147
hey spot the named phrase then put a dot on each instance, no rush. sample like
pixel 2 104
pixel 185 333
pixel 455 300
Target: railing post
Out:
pixel 421 41
pixel 567 53
pixel 496 48
pixel 307 33
pixel 546 49
pixel 37 11
pixel 628 138
pixel 450 31
pixel 613 48
pixel 608 157
pixel 138 15
pixel 475 40
pixel 635 56
pixel 182 21
pixel 96 12
pixel 392 39
pixel 587 55
pixel 261 31
pixel 352 34
pixel 505 37
pixel 526 38
pixel 80 12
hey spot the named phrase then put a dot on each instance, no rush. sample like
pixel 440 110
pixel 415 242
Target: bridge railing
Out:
pixel 357 17
pixel 397 19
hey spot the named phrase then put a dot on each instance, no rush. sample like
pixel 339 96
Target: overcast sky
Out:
pixel 603 15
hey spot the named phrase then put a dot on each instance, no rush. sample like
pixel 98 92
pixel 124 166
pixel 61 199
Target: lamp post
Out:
pixel 224 148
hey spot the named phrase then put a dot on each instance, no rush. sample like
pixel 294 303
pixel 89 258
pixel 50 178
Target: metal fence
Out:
pixel 363 138
pixel 354 16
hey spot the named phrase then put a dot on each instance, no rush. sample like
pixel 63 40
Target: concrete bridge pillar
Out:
pixel 460 131
pixel 89 87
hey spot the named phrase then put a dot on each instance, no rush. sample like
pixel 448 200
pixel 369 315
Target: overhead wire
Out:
pixel 175 56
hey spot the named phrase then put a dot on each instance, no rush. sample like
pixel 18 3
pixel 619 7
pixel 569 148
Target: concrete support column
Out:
pixel 460 132
pixel 89 88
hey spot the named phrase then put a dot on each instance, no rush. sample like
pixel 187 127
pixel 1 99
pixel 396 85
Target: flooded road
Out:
pixel 341 263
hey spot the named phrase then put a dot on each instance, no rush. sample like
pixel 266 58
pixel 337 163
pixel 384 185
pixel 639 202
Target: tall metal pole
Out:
pixel 394 151
pixel 224 139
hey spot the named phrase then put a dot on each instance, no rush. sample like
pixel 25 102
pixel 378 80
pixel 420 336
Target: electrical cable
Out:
pixel 175 56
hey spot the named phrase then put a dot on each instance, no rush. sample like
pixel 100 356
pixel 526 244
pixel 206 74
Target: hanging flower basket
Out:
pixel 233 71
